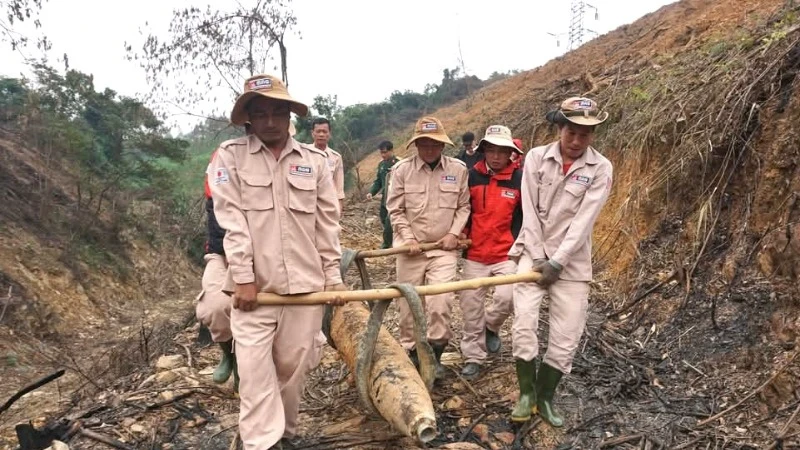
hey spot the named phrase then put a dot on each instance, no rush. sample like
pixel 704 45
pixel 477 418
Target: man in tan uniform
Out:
pixel 321 132
pixel 564 187
pixel 273 196
pixel 428 201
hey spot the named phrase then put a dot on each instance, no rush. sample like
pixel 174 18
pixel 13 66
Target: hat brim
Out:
pixel 436 137
pixel 239 113
pixel 499 142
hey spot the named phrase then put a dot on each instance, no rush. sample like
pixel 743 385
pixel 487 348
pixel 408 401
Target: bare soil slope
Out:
pixel 79 286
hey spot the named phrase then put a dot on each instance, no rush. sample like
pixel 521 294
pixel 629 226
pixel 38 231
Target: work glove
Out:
pixel 550 271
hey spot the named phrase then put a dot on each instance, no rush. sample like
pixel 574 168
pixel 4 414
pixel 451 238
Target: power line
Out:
pixel 577 29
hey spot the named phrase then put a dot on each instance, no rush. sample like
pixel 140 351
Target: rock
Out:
pixel 505 437
pixel 167 377
pixel 453 403
pixel 461 446
pixel 166 395
pixel 481 431
pixel 370 221
pixel 464 422
pixel 168 362
pixel 58 445
pixel 137 428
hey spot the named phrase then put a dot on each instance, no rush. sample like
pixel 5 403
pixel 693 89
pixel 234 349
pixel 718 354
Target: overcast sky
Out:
pixel 360 50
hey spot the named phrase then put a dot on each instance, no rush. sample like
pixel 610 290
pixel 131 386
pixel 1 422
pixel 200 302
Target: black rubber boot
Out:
pixel 492 341
pixel 438 349
pixel 471 370
pixel 546 383
pixel 526 405
pixel 226 364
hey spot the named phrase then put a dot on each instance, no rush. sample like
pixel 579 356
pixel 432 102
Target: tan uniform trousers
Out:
pixel 273 348
pixel 214 307
pixel 476 317
pixel 569 302
pixel 427 269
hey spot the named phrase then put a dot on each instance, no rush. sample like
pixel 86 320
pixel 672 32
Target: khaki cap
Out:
pixel 265 86
pixel 498 135
pixel 580 111
pixel 429 127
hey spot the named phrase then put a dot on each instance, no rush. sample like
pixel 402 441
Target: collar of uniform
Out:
pixel 419 164
pixel 553 151
pixel 254 144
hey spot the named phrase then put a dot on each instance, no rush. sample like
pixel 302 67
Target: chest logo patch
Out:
pixel 301 171
pixel 580 179
pixel 505 193
pixel 449 179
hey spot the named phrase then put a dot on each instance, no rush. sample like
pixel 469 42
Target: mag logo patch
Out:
pixel 580 179
pixel 301 171
pixel 431 126
pixel 449 179
pixel 261 83
pixel 505 193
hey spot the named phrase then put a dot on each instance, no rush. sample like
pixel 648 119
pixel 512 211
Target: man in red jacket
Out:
pixel 493 226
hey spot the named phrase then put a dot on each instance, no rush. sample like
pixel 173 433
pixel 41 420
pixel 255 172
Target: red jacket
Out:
pixel 496 216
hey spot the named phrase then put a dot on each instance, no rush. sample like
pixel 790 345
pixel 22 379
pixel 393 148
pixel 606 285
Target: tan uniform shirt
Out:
pixel 281 216
pixel 426 204
pixel 560 210
pixel 336 166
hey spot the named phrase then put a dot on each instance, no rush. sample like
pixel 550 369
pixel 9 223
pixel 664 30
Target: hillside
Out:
pixel 702 103
pixel 82 282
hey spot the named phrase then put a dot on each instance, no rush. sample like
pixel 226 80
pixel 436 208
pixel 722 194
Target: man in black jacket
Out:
pixel 469 153
pixel 214 306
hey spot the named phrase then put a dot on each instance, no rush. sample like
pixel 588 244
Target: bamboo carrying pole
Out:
pixel 462 243
pixel 319 298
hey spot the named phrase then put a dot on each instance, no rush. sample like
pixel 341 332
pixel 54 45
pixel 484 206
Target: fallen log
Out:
pixel 371 295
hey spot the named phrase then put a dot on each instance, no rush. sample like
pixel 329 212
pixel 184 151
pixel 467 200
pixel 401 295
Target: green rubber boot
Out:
pixel 546 383
pixel 226 364
pixel 526 376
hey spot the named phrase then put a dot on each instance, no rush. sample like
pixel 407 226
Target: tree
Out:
pixel 18 11
pixel 214 48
